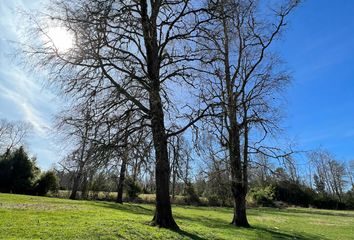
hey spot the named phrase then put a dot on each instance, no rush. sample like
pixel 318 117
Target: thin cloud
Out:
pixel 29 112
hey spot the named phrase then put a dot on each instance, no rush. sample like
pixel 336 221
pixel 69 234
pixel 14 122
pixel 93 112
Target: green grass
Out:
pixel 28 217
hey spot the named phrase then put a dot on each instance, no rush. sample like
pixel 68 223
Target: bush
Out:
pixel 191 196
pixel 349 199
pixel 47 182
pixel 132 187
pixel 294 193
pixel 17 172
pixel 263 196
pixel 213 200
pixel 327 202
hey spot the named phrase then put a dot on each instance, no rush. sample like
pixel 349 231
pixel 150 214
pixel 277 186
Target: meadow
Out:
pixel 30 217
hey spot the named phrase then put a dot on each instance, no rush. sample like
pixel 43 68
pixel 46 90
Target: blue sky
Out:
pixel 318 48
pixel 22 96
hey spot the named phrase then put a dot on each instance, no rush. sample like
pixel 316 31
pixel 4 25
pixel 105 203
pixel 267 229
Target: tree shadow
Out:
pixel 130 208
pixel 284 235
pixel 184 233
pixel 260 231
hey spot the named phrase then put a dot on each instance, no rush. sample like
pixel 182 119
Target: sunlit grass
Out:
pixel 28 217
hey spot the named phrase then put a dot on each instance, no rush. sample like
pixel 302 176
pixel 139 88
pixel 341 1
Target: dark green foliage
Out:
pixel 294 193
pixel 191 195
pixel 328 202
pixel 349 199
pixel 17 172
pixel 132 187
pixel 47 182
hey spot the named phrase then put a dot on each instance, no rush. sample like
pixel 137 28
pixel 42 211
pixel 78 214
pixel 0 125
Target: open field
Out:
pixel 28 217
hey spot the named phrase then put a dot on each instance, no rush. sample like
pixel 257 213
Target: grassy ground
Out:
pixel 28 217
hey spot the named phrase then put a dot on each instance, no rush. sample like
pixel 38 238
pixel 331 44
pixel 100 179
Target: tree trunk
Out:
pixel 238 176
pixel 174 183
pixel 121 181
pixel 75 185
pixel 124 165
pixel 163 213
pixel 240 217
pixel 81 163
pixel 84 191
pixel 238 190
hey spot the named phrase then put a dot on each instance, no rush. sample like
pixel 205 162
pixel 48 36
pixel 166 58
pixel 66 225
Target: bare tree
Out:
pixel 245 82
pixel 12 134
pixel 329 172
pixel 132 50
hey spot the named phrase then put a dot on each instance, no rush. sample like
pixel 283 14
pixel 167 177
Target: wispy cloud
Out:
pixel 21 94
pixel 30 113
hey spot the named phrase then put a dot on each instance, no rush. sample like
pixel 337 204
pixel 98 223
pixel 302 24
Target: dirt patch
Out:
pixel 38 206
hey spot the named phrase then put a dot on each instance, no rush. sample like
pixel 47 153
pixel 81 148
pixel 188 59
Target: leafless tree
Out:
pixel 246 81
pixel 329 171
pixel 12 134
pixel 133 50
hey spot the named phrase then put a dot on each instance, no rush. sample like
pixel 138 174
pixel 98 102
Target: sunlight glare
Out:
pixel 61 38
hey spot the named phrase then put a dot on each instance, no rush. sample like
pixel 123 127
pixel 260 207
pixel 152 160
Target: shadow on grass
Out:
pixel 189 235
pixel 129 208
pixel 309 211
pixel 261 231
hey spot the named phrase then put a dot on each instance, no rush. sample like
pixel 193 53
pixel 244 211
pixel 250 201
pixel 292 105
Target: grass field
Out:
pixel 28 217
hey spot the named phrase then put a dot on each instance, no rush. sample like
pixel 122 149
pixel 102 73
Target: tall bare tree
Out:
pixel 245 82
pixel 126 49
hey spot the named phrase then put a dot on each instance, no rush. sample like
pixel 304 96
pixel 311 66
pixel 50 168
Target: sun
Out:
pixel 60 38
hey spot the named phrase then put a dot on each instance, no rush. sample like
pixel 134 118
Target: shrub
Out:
pixel 132 187
pixel 191 196
pixel 263 196
pixel 213 200
pixel 294 193
pixel 328 202
pixel 17 171
pixel 349 199
pixel 47 182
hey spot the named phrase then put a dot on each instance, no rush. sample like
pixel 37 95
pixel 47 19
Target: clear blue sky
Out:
pixel 318 48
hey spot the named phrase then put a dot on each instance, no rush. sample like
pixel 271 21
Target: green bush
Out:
pixel 294 193
pixel 263 196
pixel 213 200
pixel 132 187
pixel 328 202
pixel 17 172
pixel 47 182
pixel 191 196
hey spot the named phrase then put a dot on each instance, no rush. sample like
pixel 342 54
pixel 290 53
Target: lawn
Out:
pixel 28 217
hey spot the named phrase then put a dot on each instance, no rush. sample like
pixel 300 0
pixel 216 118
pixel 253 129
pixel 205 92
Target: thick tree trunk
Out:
pixel 121 181
pixel 238 190
pixel 163 213
pixel 75 185
pixel 239 177
pixel 240 217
